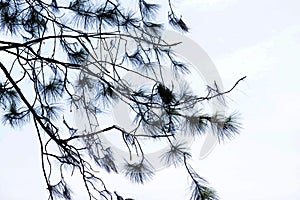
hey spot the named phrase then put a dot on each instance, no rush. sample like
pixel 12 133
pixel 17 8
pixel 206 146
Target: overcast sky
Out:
pixel 257 38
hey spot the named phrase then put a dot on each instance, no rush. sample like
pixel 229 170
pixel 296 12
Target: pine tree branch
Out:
pixel 31 109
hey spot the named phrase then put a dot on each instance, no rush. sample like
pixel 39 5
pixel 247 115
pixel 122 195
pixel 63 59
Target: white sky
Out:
pixel 258 38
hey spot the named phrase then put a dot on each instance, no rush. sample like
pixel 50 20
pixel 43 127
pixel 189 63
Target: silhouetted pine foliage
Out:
pixel 65 57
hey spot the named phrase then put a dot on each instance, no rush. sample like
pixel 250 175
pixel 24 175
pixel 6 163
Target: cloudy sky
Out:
pixel 258 38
